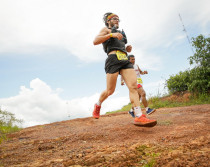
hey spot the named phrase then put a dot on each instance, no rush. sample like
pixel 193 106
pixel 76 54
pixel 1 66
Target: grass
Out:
pixel 4 130
pixel 148 156
pixel 159 102
pixel 124 108
pixel 7 126
pixel 164 123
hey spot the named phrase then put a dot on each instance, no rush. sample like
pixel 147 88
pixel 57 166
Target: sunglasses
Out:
pixel 115 19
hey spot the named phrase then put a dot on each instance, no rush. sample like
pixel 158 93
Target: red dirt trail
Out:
pixel 180 138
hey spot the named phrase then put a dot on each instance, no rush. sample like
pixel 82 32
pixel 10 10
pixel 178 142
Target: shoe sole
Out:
pixel 150 124
pixel 96 117
pixel 152 112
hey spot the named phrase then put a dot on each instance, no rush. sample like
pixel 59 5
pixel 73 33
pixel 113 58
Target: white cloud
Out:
pixel 36 25
pixel 156 25
pixel 39 104
pixel 33 26
pixel 69 26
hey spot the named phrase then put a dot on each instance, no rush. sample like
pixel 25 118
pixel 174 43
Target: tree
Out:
pixel 7 124
pixel 200 74
pixel 202 54
pixel 196 80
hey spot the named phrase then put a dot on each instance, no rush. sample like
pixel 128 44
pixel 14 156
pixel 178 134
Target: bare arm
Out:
pixel 104 35
pixel 142 72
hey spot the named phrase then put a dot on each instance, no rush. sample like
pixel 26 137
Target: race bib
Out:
pixel 139 81
pixel 121 55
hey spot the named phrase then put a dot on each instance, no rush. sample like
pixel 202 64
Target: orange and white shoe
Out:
pixel 96 111
pixel 144 122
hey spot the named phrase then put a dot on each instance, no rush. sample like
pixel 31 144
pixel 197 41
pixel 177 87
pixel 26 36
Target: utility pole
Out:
pixel 186 33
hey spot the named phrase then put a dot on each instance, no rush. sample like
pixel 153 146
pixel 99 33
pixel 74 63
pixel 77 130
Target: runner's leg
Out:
pixel 142 94
pixel 111 80
pixel 129 76
pixel 111 84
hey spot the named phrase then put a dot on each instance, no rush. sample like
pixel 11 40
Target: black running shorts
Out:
pixel 113 65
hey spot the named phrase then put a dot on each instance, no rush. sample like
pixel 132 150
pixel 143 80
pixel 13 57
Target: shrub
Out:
pixel 196 80
pixel 7 124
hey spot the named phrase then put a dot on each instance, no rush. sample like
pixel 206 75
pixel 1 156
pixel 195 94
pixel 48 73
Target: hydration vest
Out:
pixel 114 43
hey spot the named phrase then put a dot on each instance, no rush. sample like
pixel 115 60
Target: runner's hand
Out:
pixel 145 72
pixel 122 83
pixel 129 48
pixel 117 35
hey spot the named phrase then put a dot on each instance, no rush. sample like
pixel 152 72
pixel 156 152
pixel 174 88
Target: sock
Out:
pixel 147 108
pixel 98 103
pixel 138 111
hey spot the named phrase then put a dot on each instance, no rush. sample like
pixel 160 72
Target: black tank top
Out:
pixel 114 43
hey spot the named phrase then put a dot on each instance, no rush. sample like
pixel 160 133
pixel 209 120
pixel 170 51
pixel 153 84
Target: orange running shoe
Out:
pixel 96 111
pixel 144 122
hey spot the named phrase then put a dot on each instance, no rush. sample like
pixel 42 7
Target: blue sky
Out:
pixel 51 71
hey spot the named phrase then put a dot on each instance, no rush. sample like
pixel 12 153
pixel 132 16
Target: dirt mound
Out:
pixel 178 97
pixel 181 138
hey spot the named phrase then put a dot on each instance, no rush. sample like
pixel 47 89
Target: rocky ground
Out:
pixel 181 138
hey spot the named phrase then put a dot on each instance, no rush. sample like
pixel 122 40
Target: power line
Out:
pixel 186 33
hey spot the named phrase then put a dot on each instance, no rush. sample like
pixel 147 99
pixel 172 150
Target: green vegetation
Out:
pixel 161 102
pixel 7 124
pixel 148 156
pixel 196 80
pixel 124 108
pixel 164 123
